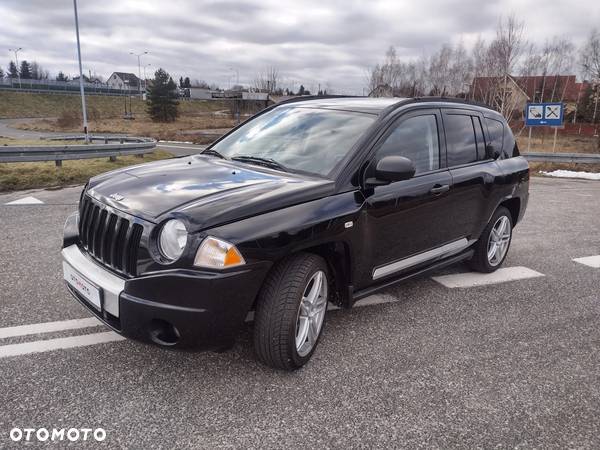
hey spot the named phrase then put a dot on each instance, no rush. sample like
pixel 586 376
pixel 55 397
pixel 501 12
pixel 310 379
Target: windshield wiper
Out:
pixel 210 151
pixel 267 162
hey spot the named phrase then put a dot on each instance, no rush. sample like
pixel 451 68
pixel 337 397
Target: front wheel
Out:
pixel 291 310
pixel 492 247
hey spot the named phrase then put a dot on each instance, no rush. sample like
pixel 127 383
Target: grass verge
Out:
pixel 17 176
pixel 25 104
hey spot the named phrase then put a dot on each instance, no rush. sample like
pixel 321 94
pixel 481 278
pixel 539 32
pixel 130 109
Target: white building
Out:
pixel 122 80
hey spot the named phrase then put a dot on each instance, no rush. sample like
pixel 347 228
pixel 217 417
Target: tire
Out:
pixel 282 312
pixel 484 259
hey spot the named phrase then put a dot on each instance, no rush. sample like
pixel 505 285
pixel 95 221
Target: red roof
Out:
pixel 555 87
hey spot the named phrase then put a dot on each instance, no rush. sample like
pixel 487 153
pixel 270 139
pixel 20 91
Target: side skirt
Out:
pixel 425 270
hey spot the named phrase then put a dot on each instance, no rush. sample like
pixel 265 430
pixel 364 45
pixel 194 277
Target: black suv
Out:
pixel 311 201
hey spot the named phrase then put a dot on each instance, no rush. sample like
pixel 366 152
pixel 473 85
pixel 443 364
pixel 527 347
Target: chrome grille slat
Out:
pixel 109 237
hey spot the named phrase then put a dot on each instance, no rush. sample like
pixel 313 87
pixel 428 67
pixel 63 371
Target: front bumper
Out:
pixel 179 308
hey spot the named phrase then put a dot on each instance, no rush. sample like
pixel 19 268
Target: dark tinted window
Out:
pixel 495 132
pixel 510 144
pixel 480 139
pixel 460 138
pixel 416 138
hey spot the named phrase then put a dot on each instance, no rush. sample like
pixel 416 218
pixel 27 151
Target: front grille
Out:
pixel 112 239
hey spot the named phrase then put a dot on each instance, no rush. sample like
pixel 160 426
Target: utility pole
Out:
pixel 16 51
pixel 81 90
pixel 139 70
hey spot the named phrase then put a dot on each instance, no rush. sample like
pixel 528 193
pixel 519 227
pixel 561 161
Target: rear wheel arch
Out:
pixel 514 207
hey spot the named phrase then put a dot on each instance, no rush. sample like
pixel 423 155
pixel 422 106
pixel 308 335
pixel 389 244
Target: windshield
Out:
pixel 304 139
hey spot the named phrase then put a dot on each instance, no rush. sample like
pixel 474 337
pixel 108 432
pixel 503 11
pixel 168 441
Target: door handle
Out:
pixel 439 189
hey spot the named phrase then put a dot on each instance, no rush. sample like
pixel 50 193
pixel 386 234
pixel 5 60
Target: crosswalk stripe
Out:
pixel 471 279
pixel 591 261
pixel 48 327
pixel 26 201
pixel 59 343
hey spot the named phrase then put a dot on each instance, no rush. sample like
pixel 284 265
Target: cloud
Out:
pixel 310 42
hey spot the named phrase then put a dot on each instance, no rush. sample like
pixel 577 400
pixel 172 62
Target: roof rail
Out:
pixel 451 100
pixel 303 98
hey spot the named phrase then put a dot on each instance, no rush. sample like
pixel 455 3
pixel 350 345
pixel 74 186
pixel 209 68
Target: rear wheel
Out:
pixel 493 245
pixel 291 311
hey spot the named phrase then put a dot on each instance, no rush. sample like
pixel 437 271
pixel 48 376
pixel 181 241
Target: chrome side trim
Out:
pixel 444 250
pixel 111 285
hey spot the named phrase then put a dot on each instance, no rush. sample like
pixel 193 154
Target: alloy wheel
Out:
pixel 311 313
pixel 499 240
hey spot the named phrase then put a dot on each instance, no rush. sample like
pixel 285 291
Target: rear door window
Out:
pixel 460 139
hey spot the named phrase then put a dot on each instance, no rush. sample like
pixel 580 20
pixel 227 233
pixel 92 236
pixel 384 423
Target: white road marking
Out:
pixel 470 279
pixel 26 201
pixel 59 343
pixel 48 327
pixel 591 261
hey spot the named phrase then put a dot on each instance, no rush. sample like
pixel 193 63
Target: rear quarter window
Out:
pixel 501 136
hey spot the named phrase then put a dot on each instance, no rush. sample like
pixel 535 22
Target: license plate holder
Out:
pixel 89 291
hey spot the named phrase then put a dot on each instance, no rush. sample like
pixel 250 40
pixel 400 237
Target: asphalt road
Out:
pixel 515 364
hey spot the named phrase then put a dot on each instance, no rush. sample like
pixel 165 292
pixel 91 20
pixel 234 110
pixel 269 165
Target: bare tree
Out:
pixel 267 80
pixel 590 64
pixel 590 56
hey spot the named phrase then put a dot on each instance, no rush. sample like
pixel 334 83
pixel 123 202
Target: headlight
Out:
pixel 217 254
pixel 172 239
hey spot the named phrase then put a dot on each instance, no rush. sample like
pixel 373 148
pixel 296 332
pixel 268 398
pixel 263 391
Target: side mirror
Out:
pixel 390 169
pixel 492 151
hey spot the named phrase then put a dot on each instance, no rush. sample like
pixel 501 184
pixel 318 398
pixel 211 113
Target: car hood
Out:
pixel 208 191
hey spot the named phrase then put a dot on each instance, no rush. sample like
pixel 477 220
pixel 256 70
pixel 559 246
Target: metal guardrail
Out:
pixel 58 153
pixel 582 158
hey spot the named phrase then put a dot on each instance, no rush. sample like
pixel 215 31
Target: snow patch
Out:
pixel 572 174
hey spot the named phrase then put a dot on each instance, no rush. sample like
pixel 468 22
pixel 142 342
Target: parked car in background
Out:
pixel 310 202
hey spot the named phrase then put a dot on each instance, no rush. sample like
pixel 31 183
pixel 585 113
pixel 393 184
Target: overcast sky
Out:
pixel 309 41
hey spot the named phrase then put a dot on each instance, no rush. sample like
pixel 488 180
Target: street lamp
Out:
pixel 146 65
pixel 16 51
pixel 85 123
pixel 237 74
pixel 139 70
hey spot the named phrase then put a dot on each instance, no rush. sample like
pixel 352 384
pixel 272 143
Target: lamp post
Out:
pixel 139 70
pixel 146 65
pixel 81 90
pixel 16 51
pixel 237 75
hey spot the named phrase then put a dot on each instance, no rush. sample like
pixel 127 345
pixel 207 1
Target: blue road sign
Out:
pixel 544 114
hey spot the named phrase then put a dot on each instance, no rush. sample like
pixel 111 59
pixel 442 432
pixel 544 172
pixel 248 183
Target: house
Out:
pixel 511 94
pixel 123 80
pixel 552 88
pixel 501 93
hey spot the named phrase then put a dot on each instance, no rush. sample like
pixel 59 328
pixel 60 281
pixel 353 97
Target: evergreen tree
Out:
pixel 187 83
pixel 162 98
pixel 12 70
pixel 301 90
pixel 1 73
pixel 62 77
pixel 25 70
pixel 181 82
